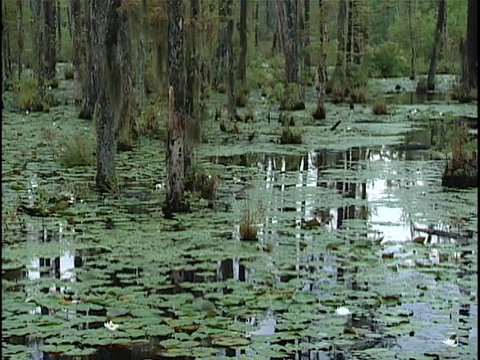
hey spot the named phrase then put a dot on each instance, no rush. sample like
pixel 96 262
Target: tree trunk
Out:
pixel 59 26
pixel 319 113
pixel 242 60
pixel 441 20
pixel 231 105
pixel 106 73
pixel 221 52
pixel 175 200
pixel 192 98
pixel 38 47
pixel 20 37
pixel 470 59
pixel 256 24
pixel 306 41
pixel 287 15
pixel 78 55
pixel 49 37
pixel 340 65
pixel 89 89
pixel 6 58
pixel 413 51
pixel 140 53
pixel 124 86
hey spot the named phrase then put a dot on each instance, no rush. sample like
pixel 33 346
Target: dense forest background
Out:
pixel 127 58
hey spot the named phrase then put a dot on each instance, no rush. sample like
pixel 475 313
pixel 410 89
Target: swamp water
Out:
pixel 336 219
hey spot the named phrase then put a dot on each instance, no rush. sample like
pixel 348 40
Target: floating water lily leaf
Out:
pixel 116 312
pixel 231 341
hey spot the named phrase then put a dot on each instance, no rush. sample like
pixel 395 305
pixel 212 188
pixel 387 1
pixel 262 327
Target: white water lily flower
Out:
pixel 111 326
pixel 450 342
pixel 343 311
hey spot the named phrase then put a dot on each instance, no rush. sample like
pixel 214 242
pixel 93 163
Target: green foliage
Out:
pixel 387 60
pixel 78 152
pixel 290 136
pixel 289 96
pixel 461 168
pixel 68 72
pixel 380 107
pixel 197 180
pixel 248 231
pixel 28 95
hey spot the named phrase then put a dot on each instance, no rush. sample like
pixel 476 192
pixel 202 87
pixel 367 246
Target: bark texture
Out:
pixel 287 19
pixel 175 200
pixel 320 113
pixel 439 30
pixel 104 36
pixel 470 58
pixel 242 60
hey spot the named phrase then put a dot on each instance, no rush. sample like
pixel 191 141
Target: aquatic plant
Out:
pixel 380 107
pixel 78 151
pixel 289 136
pixel 461 167
pixel 248 230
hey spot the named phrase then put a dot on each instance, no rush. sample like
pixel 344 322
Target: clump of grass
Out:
pixel 199 181
pixel 248 231
pixel 78 151
pixel 147 123
pixel 338 93
pixel 380 107
pixel 28 95
pixel 462 167
pixel 241 99
pixel 290 137
pixel 68 72
pixel 359 95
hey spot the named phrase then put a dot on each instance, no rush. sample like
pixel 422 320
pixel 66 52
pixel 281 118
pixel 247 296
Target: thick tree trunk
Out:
pixel 320 113
pixel 340 65
pixel 287 15
pixel 106 70
pixel 192 120
pixel 470 58
pixel 49 37
pixel 89 89
pixel 441 20
pixel 231 105
pixel 78 55
pixel 126 99
pixel 242 60
pixel 306 35
pixel 221 53
pixel 175 200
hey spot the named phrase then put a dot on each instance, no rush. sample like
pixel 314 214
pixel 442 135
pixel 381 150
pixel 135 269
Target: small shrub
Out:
pixel 290 137
pixel 462 167
pixel 68 72
pixel 338 93
pixel 380 108
pixel 387 60
pixel 248 231
pixel 198 181
pixel 78 152
pixel 28 96
pixel 241 99
pixel 359 95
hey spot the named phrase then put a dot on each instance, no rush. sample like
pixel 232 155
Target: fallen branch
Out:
pixel 442 233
